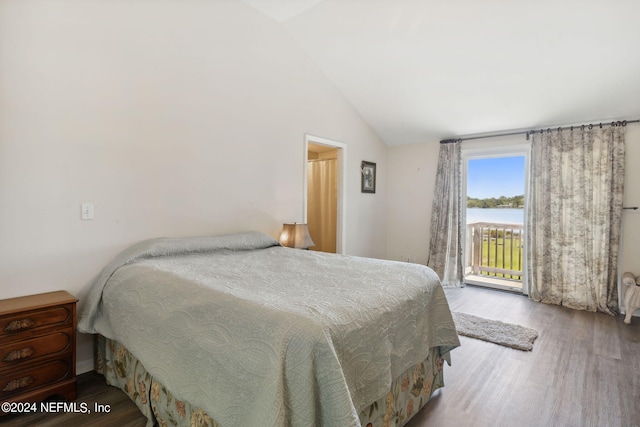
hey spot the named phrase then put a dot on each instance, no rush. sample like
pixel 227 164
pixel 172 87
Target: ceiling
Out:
pixel 424 70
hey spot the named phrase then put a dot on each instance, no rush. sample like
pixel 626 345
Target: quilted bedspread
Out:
pixel 261 335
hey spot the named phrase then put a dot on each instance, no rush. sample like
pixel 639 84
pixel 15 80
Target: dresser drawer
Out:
pixel 34 349
pixel 28 321
pixel 37 347
pixel 22 381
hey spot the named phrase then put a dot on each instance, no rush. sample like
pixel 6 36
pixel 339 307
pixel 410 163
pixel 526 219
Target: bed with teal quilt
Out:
pixel 237 330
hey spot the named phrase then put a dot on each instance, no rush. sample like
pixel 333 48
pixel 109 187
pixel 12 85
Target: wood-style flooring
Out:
pixel 584 370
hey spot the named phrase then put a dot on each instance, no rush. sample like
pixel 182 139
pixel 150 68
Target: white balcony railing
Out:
pixel 494 250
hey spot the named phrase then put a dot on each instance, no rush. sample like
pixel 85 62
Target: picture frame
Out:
pixel 368 179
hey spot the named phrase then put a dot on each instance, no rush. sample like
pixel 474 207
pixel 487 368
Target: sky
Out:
pixel 495 177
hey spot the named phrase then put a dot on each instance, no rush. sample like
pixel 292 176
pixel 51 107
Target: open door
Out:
pixel 494 214
pixel 322 196
pixel 324 193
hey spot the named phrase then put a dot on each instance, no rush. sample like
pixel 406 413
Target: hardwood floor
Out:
pixel 584 370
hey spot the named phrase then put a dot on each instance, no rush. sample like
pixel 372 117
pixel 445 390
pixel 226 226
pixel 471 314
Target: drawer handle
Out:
pixel 19 383
pixel 18 325
pixel 23 353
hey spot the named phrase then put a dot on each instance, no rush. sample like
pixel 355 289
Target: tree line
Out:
pixel 500 202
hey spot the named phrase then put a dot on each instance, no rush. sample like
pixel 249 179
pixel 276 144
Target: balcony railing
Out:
pixel 495 250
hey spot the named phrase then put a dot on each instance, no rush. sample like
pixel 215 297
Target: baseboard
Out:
pixel 84 366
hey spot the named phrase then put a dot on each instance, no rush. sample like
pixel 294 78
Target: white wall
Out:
pixel 411 181
pixel 174 118
pixel 630 251
pixel 412 171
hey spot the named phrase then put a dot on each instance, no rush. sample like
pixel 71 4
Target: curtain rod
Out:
pixel 529 132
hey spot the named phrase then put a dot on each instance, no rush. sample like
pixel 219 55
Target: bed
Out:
pixel 237 330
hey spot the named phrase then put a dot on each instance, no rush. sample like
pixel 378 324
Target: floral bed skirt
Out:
pixel 407 395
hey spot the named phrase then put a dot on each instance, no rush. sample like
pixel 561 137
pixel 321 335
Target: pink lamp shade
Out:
pixel 296 236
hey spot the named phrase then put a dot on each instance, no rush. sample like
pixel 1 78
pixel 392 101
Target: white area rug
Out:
pixel 494 331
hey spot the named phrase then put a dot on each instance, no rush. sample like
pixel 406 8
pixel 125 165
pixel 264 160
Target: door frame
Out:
pixel 488 149
pixel 342 185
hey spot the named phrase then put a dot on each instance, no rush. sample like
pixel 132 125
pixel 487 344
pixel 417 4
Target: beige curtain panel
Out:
pixel 445 249
pixel 575 217
pixel 322 195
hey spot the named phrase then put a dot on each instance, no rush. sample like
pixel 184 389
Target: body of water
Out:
pixel 505 216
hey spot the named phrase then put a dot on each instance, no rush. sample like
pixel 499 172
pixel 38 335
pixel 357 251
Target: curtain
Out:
pixel 322 202
pixel 445 249
pixel 575 216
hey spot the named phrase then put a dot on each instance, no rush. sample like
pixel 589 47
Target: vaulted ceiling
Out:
pixel 424 70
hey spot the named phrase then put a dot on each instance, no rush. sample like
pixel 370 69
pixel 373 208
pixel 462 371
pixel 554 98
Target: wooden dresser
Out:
pixel 38 347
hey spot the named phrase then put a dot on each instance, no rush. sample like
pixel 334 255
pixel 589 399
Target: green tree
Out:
pixel 492 202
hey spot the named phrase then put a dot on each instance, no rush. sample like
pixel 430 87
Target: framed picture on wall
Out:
pixel 368 183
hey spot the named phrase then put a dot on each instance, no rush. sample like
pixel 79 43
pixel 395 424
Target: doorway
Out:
pixel 495 188
pixel 324 193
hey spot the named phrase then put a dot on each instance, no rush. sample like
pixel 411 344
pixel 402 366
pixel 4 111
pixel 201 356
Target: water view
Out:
pixel 495 196
pixel 496 215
